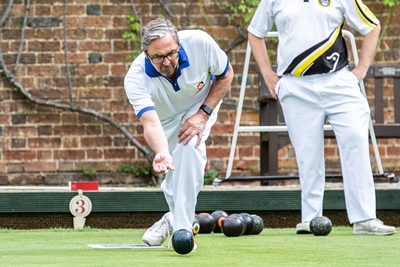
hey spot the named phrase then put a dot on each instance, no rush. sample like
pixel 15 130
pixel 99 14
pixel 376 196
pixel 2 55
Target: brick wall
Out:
pixel 45 145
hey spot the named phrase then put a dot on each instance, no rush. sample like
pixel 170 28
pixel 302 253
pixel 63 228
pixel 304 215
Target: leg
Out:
pixel 305 118
pixel 182 186
pixel 349 114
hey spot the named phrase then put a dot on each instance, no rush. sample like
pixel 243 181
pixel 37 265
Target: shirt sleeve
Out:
pixel 136 89
pixel 359 16
pixel 218 60
pixel 263 20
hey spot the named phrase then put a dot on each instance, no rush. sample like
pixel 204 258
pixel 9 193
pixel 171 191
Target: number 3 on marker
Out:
pixel 80 206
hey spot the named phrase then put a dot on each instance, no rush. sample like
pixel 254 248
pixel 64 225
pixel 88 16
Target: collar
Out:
pixel 183 63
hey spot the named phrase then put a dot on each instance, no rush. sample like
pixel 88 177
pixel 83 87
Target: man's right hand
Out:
pixel 162 163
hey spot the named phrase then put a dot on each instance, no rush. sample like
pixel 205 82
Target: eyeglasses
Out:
pixel 160 59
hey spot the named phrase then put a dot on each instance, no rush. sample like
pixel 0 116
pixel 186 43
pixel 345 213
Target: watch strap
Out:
pixel 208 110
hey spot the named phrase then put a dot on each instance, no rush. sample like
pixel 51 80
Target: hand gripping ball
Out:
pixel 183 241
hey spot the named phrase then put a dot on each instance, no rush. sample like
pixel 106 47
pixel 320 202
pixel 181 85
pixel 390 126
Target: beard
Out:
pixel 168 70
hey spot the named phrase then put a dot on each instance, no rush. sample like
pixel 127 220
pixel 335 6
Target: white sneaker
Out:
pixel 303 228
pixel 372 227
pixel 159 232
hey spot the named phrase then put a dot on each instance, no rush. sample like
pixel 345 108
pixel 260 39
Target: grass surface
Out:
pixel 273 247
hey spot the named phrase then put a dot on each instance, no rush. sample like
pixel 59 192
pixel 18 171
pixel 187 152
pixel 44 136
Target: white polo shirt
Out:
pixel 309 32
pixel 200 61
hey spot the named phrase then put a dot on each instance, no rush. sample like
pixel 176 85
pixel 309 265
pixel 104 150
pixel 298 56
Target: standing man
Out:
pixel 314 85
pixel 176 87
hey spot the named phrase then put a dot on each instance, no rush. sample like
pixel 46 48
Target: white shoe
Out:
pixel 159 232
pixel 303 228
pixel 372 227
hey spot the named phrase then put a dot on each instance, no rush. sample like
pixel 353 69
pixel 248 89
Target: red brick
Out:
pixel 44 142
pixel 96 142
pixel 15 167
pixel 119 153
pixel 44 46
pixel 70 142
pixel 72 10
pixel 69 154
pixel 91 69
pixel 40 166
pixel 95 21
pixel 19 131
pixel 44 70
pixel 94 154
pixel 218 152
pixel 3 167
pixel 19 155
pixel 69 130
pixel 95 46
pixel 45 155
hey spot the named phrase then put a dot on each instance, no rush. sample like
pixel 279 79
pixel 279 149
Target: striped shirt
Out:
pixel 309 32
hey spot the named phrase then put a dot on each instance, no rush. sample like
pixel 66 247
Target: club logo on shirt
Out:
pixel 200 85
pixel 324 3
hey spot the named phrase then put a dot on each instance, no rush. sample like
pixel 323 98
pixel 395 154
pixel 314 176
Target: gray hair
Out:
pixel 156 29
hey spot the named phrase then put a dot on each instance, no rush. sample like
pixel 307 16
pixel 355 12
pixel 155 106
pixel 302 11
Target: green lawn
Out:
pixel 273 247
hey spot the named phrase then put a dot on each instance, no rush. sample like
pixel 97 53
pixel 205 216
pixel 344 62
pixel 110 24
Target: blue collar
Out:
pixel 183 63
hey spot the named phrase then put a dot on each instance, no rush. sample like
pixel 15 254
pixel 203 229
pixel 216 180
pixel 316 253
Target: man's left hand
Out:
pixel 194 125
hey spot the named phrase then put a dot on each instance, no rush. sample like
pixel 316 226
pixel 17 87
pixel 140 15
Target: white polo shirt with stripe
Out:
pixel 309 32
pixel 200 61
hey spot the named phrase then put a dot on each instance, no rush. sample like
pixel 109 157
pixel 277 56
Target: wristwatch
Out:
pixel 206 109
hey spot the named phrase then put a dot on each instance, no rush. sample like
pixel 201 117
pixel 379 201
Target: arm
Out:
pixel 259 51
pixel 155 137
pixel 195 124
pixel 367 53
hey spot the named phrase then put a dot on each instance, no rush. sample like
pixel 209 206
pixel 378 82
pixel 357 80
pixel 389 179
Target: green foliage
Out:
pixel 92 173
pixel 254 168
pixel 139 170
pixel 244 11
pixel 245 8
pixel 134 34
pixel 391 3
pixel 209 176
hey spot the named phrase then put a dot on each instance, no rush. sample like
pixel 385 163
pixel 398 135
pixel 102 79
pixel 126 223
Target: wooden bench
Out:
pixel 271 114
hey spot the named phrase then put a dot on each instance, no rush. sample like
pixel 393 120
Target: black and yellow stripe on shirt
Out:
pixel 365 14
pixel 327 56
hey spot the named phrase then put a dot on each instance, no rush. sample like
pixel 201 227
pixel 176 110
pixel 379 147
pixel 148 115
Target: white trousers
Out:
pixel 182 185
pixel 308 102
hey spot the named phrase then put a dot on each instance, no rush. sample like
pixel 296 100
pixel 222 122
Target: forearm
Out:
pixel 368 49
pixel 154 133
pixel 259 51
pixel 156 140
pixel 219 88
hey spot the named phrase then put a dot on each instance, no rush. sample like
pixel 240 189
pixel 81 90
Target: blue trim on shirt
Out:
pixel 144 110
pixel 226 69
pixel 183 63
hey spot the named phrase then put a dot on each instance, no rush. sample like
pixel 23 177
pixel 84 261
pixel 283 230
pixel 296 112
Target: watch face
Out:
pixel 206 109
